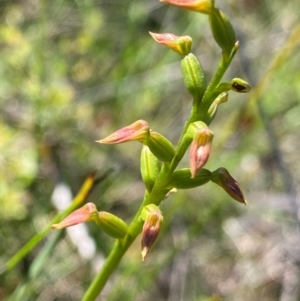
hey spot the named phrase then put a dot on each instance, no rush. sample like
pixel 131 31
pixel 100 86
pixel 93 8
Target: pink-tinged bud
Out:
pixel 222 177
pixel 201 6
pixel 153 218
pixel 201 145
pixel 181 45
pixel 86 213
pixel 137 131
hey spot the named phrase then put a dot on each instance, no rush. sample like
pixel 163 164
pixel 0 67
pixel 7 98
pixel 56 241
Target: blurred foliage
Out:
pixel 72 72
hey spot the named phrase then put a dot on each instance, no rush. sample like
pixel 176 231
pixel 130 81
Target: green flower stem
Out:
pixel 159 189
pixel 182 145
pixel 207 98
pixel 109 266
pixel 115 256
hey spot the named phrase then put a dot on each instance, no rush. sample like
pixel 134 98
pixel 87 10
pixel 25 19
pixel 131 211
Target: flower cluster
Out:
pixel 159 157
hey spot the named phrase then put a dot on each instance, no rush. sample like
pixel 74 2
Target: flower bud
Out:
pixel 193 76
pixel 86 213
pixel 153 218
pixel 161 147
pixel 201 145
pixel 222 31
pixel 222 177
pixel 201 6
pixel 239 85
pixel 111 224
pixel 150 167
pixel 181 45
pixel 137 131
pixel 181 179
pixel 222 98
pixel 236 84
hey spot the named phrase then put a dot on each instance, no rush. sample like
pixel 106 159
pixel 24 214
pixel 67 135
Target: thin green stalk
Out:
pixel 115 256
pixel 109 266
pixel 207 98
pixel 181 146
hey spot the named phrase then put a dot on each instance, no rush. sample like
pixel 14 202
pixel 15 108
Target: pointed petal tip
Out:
pixel 144 253
pixel 105 141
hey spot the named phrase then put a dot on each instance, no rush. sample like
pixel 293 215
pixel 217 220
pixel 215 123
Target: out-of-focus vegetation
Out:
pixel 72 72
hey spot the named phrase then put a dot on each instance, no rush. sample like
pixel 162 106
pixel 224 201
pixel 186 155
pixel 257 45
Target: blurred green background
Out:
pixel 71 72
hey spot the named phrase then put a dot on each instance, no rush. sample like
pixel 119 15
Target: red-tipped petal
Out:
pixel 86 213
pixel 137 131
pixel 201 6
pixel 201 146
pixel 179 44
pixel 152 225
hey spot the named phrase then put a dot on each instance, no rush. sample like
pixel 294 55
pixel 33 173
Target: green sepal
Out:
pixel 193 76
pixel 150 167
pixel 148 210
pixel 111 224
pixel 181 179
pixel 161 147
pixel 194 128
pixel 222 31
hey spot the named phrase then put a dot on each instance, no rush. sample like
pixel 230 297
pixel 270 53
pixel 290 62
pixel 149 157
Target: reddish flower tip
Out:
pixel 86 213
pixel 222 177
pixel 181 45
pixel 201 145
pixel 152 225
pixel 137 131
pixel 201 6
